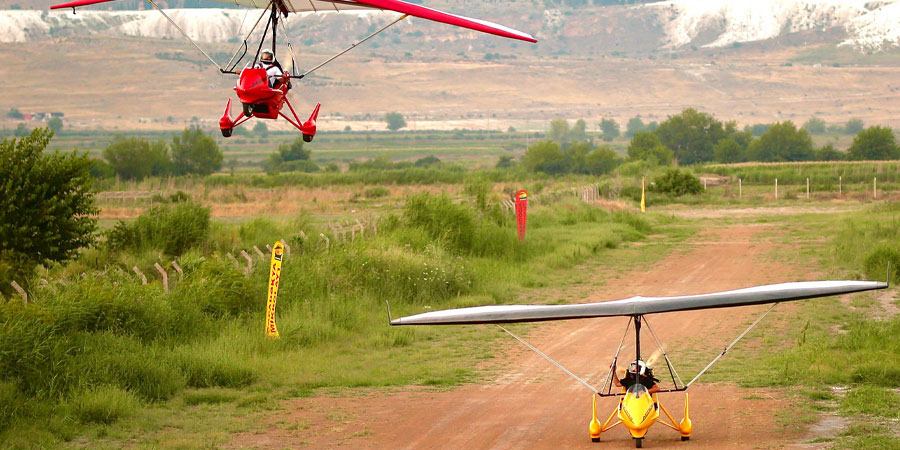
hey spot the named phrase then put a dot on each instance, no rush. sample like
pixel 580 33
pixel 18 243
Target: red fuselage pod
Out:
pixel 258 98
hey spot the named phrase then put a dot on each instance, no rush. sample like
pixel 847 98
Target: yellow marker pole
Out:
pixel 274 278
pixel 643 197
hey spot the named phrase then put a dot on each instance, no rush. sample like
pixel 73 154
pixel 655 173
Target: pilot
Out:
pixel 273 68
pixel 637 371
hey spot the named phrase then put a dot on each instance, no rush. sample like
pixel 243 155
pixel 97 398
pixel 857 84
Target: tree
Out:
pixel 55 124
pixel 782 142
pixel 545 156
pixel 829 153
pixel 728 151
pixel 691 135
pixel 576 156
pixel 610 129
pixel 290 156
pixel 578 131
pixel 676 183
pixel 647 146
pixel 261 128
pixel 505 162
pixel 634 125
pixel 14 113
pixel 601 161
pixel 46 205
pixel 135 158
pixel 559 130
pixel 395 121
pixel 21 130
pixel 814 125
pixel 428 161
pixel 195 152
pixel 854 126
pixel 874 143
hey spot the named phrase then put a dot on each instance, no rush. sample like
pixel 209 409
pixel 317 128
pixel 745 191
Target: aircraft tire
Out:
pixel 595 439
pixel 639 443
pixel 307 138
pixel 226 132
pixel 685 438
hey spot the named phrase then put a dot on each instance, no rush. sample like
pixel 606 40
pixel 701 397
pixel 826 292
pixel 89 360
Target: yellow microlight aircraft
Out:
pixel 638 408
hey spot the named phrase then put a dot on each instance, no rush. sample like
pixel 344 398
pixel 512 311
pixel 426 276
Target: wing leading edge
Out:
pixel 772 293
pixel 338 5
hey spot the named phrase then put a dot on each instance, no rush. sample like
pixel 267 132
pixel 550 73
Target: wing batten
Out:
pixel 640 305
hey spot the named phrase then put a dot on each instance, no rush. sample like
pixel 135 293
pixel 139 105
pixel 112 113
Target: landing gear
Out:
pixel 226 132
pixel 595 439
pixel 685 438
pixel 639 443
pixel 307 137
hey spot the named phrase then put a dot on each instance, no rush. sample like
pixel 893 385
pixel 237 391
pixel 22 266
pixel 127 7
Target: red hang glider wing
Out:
pixel 389 5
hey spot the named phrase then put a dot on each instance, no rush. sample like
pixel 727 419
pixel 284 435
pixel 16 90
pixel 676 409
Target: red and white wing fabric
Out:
pixel 342 5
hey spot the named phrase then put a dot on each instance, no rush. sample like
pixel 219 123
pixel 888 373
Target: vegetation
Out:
pixel 874 143
pixel 395 121
pixel 195 152
pixel 782 142
pixel 291 157
pixel 136 158
pixel 675 183
pixel 46 206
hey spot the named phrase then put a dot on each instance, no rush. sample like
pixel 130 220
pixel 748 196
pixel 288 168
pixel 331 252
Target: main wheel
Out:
pixel 685 438
pixel 639 443
pixel 595 439
pixel 226 132
pixel 307 138
pixel 248 109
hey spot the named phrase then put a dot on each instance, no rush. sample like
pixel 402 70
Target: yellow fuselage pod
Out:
pixel 638 410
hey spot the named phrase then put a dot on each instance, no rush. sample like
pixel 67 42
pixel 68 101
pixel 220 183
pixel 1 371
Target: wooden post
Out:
pixel 875 187
pixel 740 188
pixel 259 252
pixel 249 261
pixel 327 242
pixel 807 187
pixel 140 274
pixel 178 269
pixel 269 248
pixel 233 259
pixel 287 248
pixel 704 184
pixel 362 229
pixel 375 227
pixel 776 189
pixel 20 291
pixel 841 185
pixel 165 277
pixel 334 232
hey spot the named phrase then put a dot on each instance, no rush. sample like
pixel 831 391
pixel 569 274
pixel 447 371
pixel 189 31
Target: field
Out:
pixel 98 359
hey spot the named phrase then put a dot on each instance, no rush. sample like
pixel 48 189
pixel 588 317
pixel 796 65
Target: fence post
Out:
pixel 776 189
pixel 249 261
pixel 375 227
pixel 269 248
pixel 807 187
pixel 362 229
pixel 841 185
pixel 302 235
pixel 875 187
pixel 140 274
pixel 327 242
pixel 740 188
pixel 259 252
pixel 233 259
pixel 287 248
pixel 165 277
pixel 20 291
pixel 704 184
pixel 178 269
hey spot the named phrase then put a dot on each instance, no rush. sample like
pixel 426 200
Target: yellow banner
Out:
pixel 274 278
pixel 643 202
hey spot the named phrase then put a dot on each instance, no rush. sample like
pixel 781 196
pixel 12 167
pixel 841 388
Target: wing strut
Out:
pixel 607 383
pixel 351 48
pixel 731 345
pixel 671 366
pixel 153 2
pixel 585 383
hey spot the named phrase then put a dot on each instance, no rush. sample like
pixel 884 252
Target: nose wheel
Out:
pixel 639 443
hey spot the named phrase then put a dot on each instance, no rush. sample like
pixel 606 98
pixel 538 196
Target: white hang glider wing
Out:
pixel 636 306
pixel 289 6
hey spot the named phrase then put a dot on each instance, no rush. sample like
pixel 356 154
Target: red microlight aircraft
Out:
pixel 264 96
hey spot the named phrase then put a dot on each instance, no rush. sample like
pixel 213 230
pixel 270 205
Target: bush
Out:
pixel 676 183
pixel 377 192
pixel 172 228
pixel 877 261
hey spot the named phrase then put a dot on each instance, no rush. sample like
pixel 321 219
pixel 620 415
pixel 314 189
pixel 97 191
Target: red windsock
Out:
pixel 521 212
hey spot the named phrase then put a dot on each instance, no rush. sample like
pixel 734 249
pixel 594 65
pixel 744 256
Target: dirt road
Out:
pixel 534 405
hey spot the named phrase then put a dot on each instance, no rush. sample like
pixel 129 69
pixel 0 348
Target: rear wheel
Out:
pixel 639 443
pixel 685 438
pixel 595 439
pixel 226 132
pixel 307 138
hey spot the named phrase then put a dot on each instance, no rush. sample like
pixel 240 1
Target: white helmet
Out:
pixel 638 367
pixel 266 56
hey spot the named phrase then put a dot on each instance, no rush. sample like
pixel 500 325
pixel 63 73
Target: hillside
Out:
pixel 745 61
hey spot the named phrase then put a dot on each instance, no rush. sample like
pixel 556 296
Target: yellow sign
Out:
pixel 643 201
pixel 274 278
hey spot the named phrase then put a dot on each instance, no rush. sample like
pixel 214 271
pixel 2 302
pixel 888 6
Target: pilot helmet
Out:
pixel 638 367
pixel 266 56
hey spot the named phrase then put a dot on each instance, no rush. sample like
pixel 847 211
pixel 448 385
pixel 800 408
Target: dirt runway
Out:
pixel 532 404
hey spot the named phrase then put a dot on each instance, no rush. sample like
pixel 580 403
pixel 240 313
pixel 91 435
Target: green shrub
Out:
pixel 377 192
pixel 676 183
pixel 876 263
pixel 104 404
pixel 172 228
